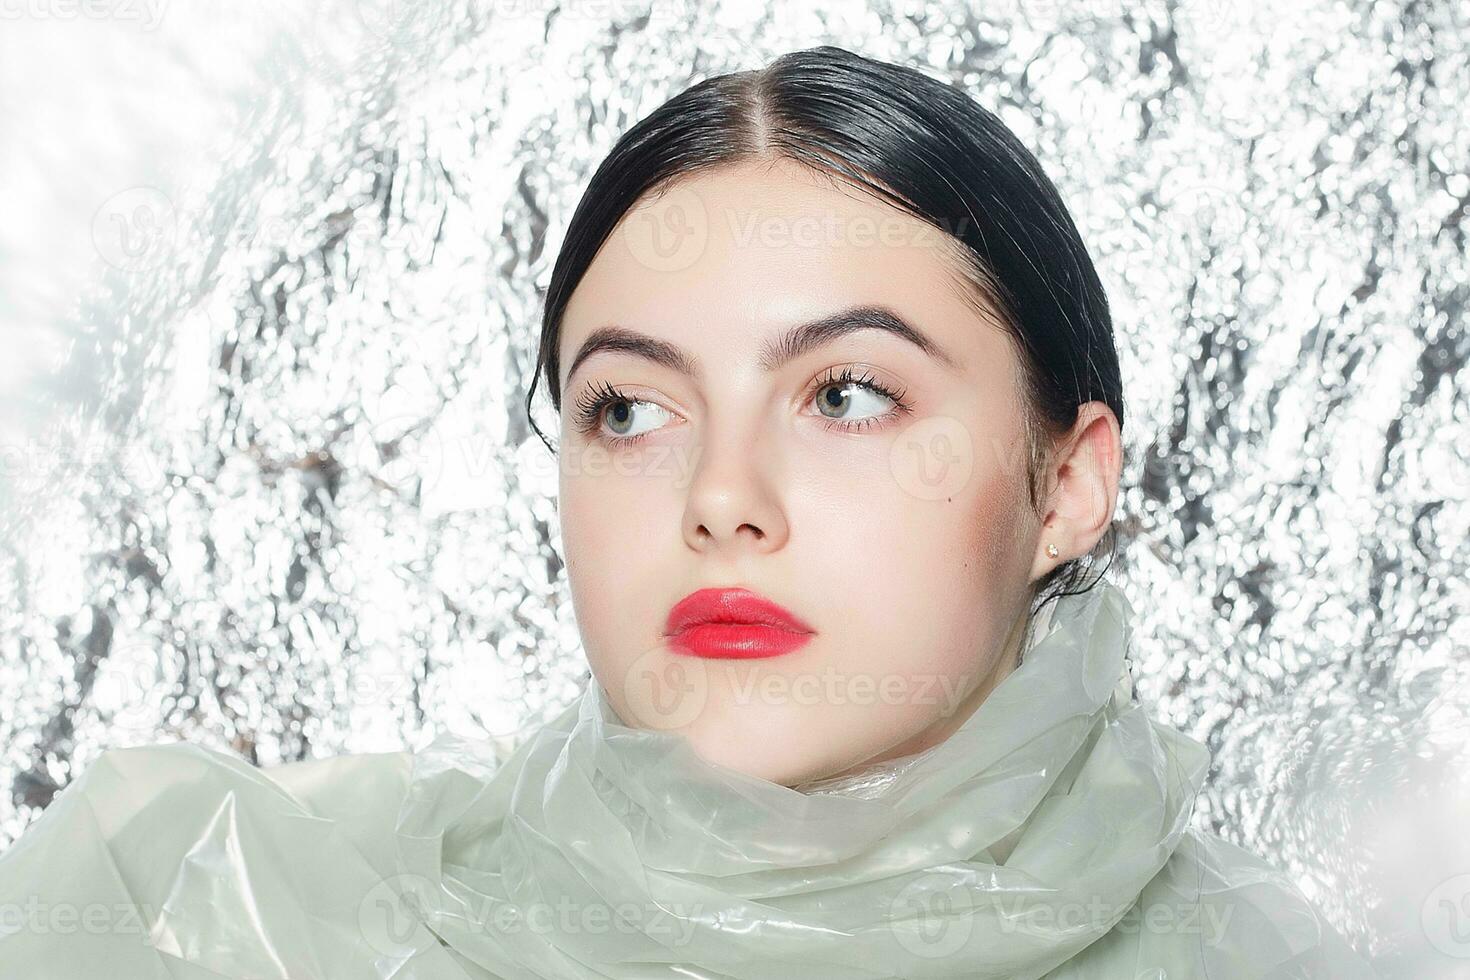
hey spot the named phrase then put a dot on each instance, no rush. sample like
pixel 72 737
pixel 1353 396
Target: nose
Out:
pixel 734 499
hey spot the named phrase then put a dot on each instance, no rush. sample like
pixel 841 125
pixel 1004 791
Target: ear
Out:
pixel 1082 475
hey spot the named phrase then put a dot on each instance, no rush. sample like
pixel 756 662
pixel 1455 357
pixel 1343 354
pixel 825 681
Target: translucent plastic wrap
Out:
pixel 1048 836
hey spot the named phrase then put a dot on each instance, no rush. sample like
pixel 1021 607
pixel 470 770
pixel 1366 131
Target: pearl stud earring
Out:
pixel 1051 551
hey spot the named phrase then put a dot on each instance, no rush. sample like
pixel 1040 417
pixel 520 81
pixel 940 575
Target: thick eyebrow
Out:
pixel 795 342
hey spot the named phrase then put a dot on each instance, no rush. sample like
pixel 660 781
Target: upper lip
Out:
pixel 731 605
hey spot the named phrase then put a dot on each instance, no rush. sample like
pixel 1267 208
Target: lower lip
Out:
pixel 736 641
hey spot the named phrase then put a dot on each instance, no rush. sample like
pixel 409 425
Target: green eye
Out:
pixel 857 401
pixel 835 400
pixel 622 413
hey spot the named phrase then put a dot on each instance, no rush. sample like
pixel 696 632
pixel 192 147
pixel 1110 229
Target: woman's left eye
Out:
pixel 854 402
pixel 836 401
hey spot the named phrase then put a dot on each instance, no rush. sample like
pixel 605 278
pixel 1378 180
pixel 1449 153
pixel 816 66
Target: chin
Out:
pixel 763 758
pixel 767 755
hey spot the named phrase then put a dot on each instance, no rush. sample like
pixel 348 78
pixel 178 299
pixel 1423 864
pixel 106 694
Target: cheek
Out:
pixel 925 584
pixel 607 501
pixel 610 526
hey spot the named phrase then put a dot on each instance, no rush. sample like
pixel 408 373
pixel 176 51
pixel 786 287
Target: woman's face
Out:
pixel 733 454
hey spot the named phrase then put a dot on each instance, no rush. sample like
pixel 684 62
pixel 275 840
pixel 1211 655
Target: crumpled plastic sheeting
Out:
pixel 1048 836
pixel 274 533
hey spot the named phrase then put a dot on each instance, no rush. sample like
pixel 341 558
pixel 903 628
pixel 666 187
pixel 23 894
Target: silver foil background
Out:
pixel 301 513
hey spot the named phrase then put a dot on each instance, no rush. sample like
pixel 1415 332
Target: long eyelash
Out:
pixel 846 376
pixel 592 403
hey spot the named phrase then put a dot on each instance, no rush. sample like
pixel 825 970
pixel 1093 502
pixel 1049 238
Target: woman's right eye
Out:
pixel 627 419
pixel 623 417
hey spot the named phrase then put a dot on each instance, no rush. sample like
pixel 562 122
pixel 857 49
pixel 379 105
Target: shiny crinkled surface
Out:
pixel 1049 835
pixel 306 437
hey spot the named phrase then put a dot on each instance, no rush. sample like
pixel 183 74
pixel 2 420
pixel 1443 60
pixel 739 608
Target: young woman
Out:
pixel 840 444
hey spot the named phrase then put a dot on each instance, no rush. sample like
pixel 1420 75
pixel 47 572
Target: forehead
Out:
pixel 724 258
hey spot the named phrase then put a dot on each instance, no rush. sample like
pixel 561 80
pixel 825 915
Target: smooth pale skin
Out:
pixel 741 480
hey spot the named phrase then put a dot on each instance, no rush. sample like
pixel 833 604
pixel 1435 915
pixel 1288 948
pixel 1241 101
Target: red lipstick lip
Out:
pixel 733 623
